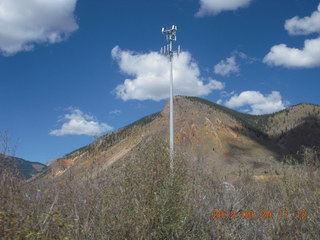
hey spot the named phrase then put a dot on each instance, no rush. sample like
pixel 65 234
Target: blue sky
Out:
pixel 74 70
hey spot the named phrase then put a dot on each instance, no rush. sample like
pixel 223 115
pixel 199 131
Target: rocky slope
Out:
pixel 207 135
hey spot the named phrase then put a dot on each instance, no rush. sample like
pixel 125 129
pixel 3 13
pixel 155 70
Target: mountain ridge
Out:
pixel 26 169
pixel 223 137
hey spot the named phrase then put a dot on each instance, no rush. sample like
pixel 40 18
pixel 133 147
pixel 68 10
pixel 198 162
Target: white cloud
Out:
pixel 78 123
pixel 245 57
pixel 304 26
pixel 24 23
pixel 257 102
pixel 212 7
pixel 115 112
pixel 281 55
pixel 226 67
pixel 151 76
pixel 309 56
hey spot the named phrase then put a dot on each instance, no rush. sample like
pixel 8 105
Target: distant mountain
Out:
pixel 24 168
pixel 207 135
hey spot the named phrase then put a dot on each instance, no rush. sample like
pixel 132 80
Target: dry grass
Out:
pixel 141 198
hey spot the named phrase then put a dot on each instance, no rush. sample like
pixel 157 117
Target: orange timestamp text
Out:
pixel 259 214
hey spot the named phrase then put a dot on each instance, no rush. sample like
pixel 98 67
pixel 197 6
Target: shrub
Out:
pixel 142 198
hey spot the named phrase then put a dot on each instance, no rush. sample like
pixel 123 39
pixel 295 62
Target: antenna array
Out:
pixel 171 35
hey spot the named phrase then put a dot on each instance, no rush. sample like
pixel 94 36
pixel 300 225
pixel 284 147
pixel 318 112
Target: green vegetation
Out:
pixel 141 198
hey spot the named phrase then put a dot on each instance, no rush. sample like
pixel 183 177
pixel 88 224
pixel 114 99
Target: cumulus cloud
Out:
pixel 281 55
pixel 25 23
pixel 226 67
pixel 309 55
pixel 78 123
pixel 257 102
pixel 151 77
pixel 213 7
pixel 304 26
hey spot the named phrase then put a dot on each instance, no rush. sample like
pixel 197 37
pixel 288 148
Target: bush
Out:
pixel 142 198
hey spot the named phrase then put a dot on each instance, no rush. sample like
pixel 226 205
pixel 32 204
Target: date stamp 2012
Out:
pixel 265 215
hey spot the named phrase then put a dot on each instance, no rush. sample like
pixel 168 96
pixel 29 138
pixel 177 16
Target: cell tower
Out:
pixel 167 50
